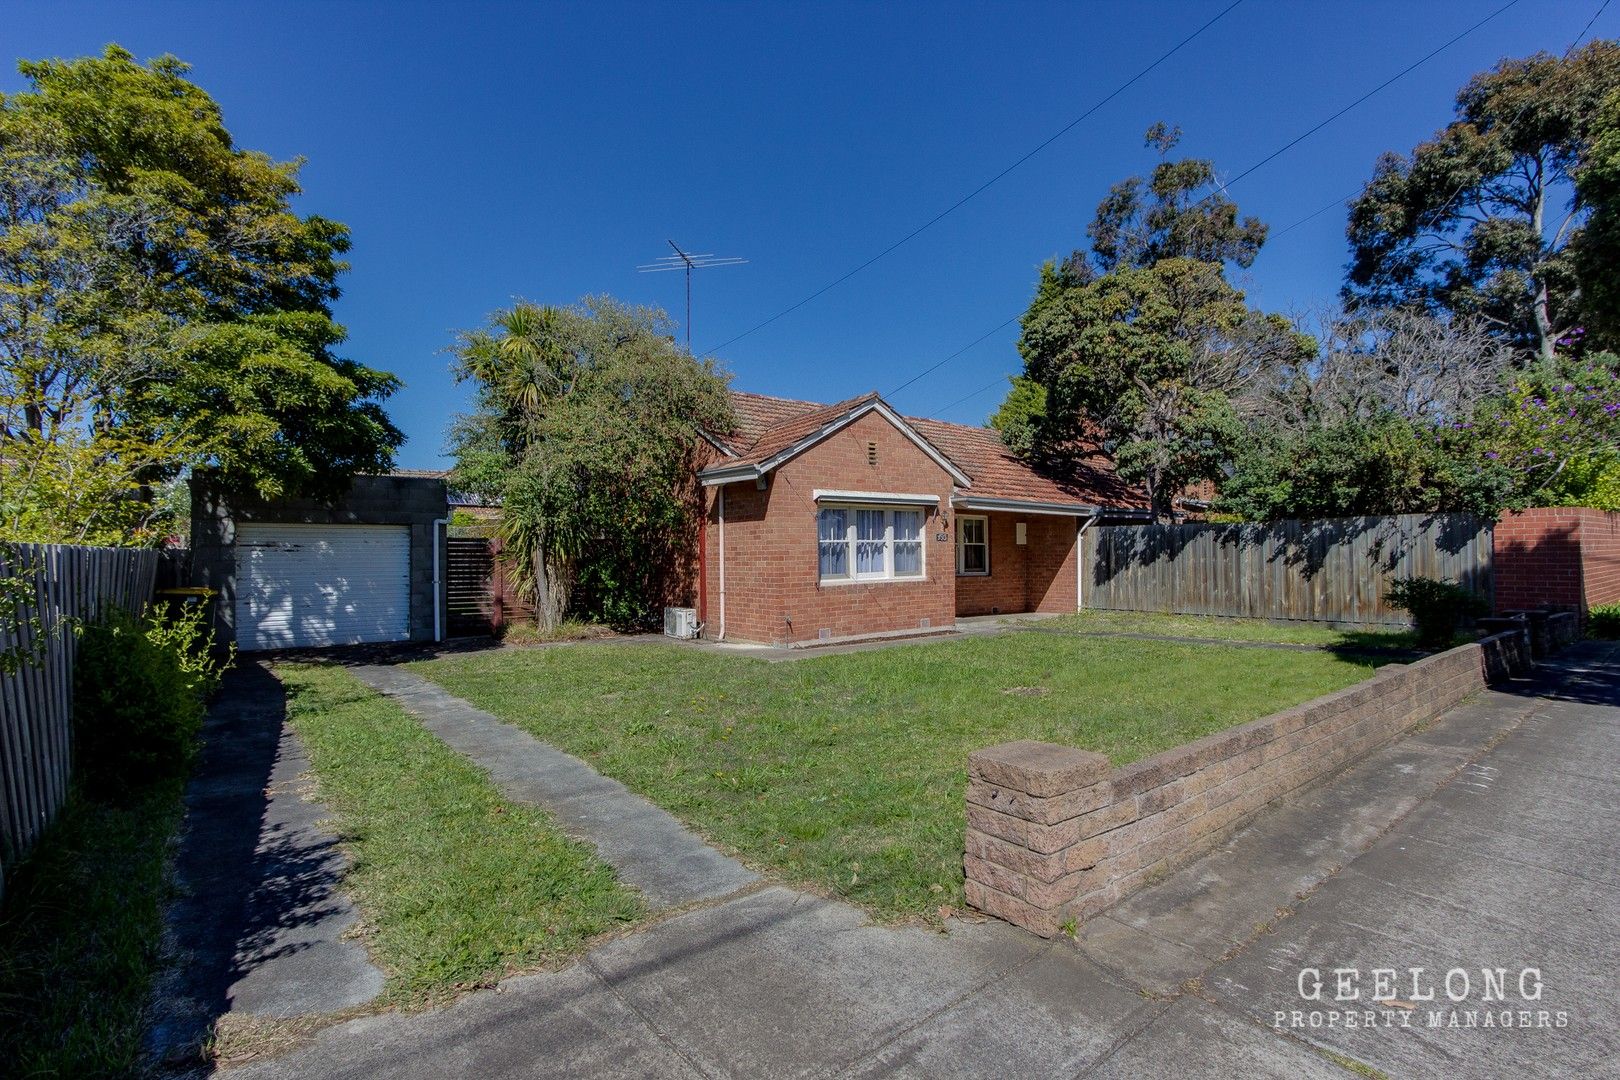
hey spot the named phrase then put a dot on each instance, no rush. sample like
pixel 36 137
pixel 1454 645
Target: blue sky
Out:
pixel 485 151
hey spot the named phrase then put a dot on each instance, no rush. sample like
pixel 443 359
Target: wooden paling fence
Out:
pixel 52 587
pixel 1334 570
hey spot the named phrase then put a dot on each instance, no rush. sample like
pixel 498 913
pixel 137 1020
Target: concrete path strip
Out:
pixel 258 926
pixel 775 983
pixel 649 848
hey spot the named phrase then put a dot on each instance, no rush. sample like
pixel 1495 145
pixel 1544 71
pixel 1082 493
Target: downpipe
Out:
pixel 439 524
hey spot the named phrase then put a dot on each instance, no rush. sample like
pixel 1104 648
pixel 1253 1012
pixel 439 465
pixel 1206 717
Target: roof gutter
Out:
pixel 1030 506
pixel 729 475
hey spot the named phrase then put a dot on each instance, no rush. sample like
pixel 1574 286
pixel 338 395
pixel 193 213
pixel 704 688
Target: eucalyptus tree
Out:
pixel 1485 220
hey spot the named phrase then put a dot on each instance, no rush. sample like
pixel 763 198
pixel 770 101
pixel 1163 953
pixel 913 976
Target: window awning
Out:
pixel 885 498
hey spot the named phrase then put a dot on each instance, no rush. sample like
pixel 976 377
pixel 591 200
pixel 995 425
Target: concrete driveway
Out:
pixel 1486 843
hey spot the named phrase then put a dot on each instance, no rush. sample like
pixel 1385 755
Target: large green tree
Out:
pixel 1155 363
pixel 1140 343
pixel 1483 220
pixel 1019 418
pixel 586 426
pixel 161 304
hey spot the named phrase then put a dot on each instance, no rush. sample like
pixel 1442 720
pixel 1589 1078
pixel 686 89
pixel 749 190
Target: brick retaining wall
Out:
pixel 1055 835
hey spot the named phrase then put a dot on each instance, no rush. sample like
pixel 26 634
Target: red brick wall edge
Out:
pixel 1556 556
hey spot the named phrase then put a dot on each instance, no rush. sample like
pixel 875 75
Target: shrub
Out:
pixel 1437 607
pixel 1603 621
pixel 141 683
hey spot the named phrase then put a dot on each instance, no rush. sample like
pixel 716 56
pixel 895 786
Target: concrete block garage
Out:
pixel 301 573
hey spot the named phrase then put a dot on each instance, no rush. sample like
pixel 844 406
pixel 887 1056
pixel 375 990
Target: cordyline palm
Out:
pixel 521 361
pixel 522 364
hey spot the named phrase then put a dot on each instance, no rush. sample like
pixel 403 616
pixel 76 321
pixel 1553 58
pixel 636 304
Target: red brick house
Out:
pixel 824 522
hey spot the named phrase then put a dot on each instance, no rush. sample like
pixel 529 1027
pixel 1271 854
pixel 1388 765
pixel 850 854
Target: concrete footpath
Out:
pixel 257 928
pixel 1486 842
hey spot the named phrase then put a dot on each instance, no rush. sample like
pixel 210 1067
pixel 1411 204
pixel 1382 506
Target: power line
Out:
pixel 987 386
pixel 1340 201
pixel 1265 160
pixel 1371 93
pixel 954 355
pixel 1351 195
pixel 1595 15
pixel 959 203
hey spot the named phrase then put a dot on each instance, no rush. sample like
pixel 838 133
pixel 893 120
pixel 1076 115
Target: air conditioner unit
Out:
pixel 680 622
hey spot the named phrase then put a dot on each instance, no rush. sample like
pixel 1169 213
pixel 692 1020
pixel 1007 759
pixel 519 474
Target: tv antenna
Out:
pixel 682 261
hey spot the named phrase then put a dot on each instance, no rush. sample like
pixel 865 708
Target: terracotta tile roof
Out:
pixel 768 425
pixel 997 473
pixel 797 427
pixel 757 414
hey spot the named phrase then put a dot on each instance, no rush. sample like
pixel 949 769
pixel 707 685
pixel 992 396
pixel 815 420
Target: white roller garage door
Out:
pixel 302 585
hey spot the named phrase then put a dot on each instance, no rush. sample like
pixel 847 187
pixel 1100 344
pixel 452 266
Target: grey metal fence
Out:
pixel 1335 570
pixel 54 586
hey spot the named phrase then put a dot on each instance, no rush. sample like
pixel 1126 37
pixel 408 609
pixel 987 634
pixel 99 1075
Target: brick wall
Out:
pixel 1054 834
pixel 1564 556
pixel 1053 570
pixel 771 589
pixel 1004 588
pixel 1600 557
pixel 1038 575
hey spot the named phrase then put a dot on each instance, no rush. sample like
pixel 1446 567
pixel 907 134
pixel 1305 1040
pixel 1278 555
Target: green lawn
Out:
pixel 1215 628
pixel 80 937
pixel 846 772
pixel 455 884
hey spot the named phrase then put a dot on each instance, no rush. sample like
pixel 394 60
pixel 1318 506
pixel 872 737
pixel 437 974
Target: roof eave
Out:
pixel 716 443
pixel 1041 506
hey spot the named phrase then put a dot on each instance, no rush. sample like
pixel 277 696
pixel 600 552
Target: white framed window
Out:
pixel 832 526
pixel 972 545
pixel 869 543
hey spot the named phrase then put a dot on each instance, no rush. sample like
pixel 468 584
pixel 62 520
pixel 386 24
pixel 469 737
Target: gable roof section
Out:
pixel 771 430
pixel 801 426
